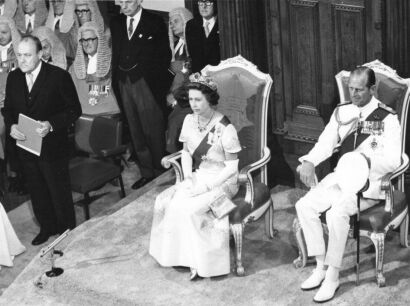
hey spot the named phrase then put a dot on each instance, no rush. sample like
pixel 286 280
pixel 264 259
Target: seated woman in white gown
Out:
pixel 10 245
pixel 184 230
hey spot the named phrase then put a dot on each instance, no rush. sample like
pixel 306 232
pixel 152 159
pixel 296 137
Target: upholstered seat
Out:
pixel 100 138
pixel 101 173
pixel 244 95
pixel 391 213
pixel 243 208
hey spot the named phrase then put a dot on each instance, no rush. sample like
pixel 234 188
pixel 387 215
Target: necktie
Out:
pixel 130 28
pixel 29 28
pixel 57 26
pixel 30 81
pixel 206 28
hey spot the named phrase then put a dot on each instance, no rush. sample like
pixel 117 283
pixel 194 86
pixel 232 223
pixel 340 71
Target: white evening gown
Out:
pixel 184 230
pixel 10 245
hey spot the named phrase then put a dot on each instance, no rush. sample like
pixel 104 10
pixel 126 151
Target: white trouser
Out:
pixel 327 195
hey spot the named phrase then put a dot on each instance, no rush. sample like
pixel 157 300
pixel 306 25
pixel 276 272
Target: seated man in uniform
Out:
pixel 367 126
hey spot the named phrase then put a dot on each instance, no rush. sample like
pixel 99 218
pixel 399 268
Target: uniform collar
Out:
pixel 366 110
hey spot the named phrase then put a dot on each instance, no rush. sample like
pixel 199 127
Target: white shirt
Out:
pixel 92 64
pixel 4 50
pixel 2 9
pixel 29 18
pixel 385 156
pixel 56 19
pixel 137 18
pixel 211 23
pixel 35 73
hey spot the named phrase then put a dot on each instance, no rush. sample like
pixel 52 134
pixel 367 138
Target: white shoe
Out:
pixel 327 291
pixel 314 280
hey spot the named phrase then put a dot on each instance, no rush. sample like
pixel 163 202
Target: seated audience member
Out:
pixel 202 36
pixel 9 39
pixel 61 20
pixel 8 8
pixel 382 152
pixel 176 118
pixel 180 68
pixel 184 231
pixel 88 10
pixel 91 72
pixel 53 49
pixel 30 15
pixel 10 245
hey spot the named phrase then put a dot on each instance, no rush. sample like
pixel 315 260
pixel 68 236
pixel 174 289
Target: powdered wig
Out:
pixel 58 53
pixel 186 15
pixel 10 7
pixel 94 10
pixel 68 19
pixel 103 53
pixel 40 15
pixel 15 35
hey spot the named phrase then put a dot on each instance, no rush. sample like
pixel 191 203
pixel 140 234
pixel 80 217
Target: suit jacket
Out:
pixel 202 50
pixel 146 55
pixel 53 98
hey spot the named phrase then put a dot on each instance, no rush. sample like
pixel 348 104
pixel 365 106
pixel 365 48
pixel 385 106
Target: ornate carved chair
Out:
pixel 375 222
pixel 244 95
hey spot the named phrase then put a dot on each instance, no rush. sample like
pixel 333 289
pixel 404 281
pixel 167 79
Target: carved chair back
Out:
pixel 244 95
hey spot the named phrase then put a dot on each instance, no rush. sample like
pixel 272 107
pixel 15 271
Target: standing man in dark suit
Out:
pixel 140 60
pixel 202 36
pixel 47 94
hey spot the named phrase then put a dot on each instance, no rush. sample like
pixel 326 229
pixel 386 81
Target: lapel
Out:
pixel 38 84
pixel 143 24
pixel 214 31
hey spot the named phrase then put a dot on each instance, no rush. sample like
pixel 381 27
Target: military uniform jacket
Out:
pixel 383 149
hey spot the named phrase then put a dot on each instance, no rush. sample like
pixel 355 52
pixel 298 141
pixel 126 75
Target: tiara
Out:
pixel 204 80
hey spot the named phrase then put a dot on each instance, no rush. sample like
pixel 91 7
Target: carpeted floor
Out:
pixel 106 263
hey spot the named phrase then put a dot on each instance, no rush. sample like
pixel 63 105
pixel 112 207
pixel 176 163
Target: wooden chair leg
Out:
pixel 378 241
pixel 237 231
pixel 86 204
pixel 404 230
pixel 122 186
pixel 299 262
pixel 269 228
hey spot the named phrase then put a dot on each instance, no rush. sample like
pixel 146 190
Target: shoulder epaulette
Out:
pixel 387 108
pixel 343 104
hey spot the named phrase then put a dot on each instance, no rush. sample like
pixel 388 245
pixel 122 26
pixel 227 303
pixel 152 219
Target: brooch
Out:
pixel 373 144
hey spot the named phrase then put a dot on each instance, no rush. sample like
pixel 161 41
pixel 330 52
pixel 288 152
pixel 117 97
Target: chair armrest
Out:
pixel 173 160
pixel 114 151
pixel 386 183
pixel 245 176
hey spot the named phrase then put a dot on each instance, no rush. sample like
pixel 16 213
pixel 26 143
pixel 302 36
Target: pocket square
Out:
pixel 150 37
pixel 140 36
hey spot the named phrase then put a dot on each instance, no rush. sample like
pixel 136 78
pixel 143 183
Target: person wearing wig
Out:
pixel 8 8
pixel 54 52
pixel 184 230
pixel 30 14
pixel 180 68
pixel 88 10
pixel 9 39
pixel 91 72
pixel 61 20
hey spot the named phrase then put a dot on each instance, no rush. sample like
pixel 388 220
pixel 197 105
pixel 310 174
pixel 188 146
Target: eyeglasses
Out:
pixel 80 12
pixel 88 40
pixel 205 3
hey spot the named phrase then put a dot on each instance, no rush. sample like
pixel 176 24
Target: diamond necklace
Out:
pixel 203 128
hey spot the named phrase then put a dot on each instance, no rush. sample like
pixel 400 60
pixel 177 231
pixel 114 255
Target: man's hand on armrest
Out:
pixel 307 173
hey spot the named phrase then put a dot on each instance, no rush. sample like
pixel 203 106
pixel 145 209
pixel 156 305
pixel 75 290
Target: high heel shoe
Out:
pixel 194 274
